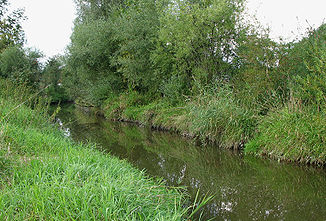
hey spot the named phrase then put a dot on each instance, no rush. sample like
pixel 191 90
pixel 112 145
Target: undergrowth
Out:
pixel 215 116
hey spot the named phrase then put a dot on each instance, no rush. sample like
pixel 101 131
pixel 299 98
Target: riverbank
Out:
pixel 47 176
pixel 245 187
pixel 287 133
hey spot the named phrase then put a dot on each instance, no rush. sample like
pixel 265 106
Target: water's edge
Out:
pixel 245 187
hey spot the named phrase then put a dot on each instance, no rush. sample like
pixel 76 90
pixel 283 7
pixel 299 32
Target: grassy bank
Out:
pixel 292 135
pixel 284 134
pixel 47 176
pixel 214 117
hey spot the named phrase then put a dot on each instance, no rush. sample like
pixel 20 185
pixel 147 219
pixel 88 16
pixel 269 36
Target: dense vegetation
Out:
pixel 45 175
pixel 197 67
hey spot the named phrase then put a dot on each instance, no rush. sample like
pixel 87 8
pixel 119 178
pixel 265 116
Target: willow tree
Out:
pixel 90 73
pixel 198 40
pixel 136 30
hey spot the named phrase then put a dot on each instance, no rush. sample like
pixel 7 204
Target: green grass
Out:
pixel 218 117
pixel 45 176
pixel 292 135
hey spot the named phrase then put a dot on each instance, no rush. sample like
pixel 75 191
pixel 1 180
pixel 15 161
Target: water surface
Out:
pixel 245 188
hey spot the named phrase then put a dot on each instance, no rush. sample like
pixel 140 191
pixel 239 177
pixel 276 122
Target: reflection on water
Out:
pixel 245 188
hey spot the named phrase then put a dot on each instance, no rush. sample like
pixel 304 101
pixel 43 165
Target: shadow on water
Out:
pixel 245 188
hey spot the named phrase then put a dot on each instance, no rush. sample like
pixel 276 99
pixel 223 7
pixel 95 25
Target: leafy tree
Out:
pixel 198 40
pixel 21 66
pixel 137 31
pixel 11 31
pixel 90 73
pixel 96 9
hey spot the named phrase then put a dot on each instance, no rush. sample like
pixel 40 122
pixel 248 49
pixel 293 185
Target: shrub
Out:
pixel 173 90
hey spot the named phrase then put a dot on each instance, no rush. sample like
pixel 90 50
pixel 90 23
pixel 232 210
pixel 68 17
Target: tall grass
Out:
pixel 215 115
pixel 292 135
pixel 45 176
pixel 218 117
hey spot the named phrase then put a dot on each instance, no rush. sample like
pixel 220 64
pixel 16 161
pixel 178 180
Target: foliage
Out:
pixel 52 80
pixel 133 44
pixel 11 31
pixel 260 83
pixel 136 30
pixel 193 66
pixel 198 40
pixel 20 65
pixel 173 89
pixel 96 9
pixel 89 73
pixel 310 86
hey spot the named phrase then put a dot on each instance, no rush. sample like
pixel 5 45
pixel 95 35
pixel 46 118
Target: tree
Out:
pixel 90 74
pixel 96 9
pixel 52 79
pixel 11 31
pixel 136 30
pixel 198 40
pixel 20 65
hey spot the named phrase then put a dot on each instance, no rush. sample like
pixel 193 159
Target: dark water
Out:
pixel 245 188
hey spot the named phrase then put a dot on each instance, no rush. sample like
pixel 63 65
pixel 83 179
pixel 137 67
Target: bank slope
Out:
pixel 47 176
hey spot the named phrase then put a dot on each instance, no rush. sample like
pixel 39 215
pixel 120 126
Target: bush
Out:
pixel 174 89
pixel 260 83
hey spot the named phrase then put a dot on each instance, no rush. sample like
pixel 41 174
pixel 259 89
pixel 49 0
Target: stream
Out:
pixel 245 187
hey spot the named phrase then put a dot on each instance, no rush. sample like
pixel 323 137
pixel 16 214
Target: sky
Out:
pixel 289 19
pixel 50 22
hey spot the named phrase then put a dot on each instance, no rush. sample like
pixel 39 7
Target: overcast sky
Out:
pixel 50 22
pixel 286 17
